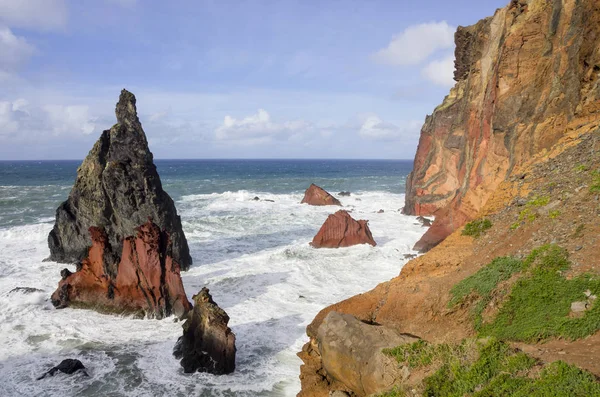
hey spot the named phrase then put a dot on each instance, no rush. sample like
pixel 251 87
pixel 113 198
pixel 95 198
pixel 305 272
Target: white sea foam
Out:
pixel 255 258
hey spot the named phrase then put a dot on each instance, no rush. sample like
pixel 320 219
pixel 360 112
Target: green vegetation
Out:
pixel 527 215
pixel 538 304
pixel 482 284
pixel 477 227
pixel 515 225
pixel 538 201
pixel 581 168
pixel 554 214
pixel 595 186
pixel 489 368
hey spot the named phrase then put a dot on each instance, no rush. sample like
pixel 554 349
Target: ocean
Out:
pixel 254 257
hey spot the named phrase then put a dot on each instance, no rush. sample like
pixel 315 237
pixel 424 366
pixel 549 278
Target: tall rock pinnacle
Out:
pixel 117 189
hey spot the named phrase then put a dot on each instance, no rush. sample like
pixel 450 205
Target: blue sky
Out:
pixel 227 79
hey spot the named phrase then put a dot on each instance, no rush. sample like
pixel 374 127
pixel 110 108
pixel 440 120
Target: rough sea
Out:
pixel 254 257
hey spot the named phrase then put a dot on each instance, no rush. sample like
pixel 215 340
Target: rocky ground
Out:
pixel 553 199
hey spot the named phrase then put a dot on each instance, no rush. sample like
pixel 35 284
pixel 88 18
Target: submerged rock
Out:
pixel 68 366
pixel 117 189
pixel 344 193
pixel 341 230
pixel 207 343
pixel 316 195
pixel 146 280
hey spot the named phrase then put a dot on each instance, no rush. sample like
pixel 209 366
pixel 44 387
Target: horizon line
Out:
pixel 231 158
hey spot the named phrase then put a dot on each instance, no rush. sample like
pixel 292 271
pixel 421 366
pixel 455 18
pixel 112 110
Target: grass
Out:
pixel 554 214
pixel 595 185
pixel 477 227
pixel 578 233
pixel 538 305
pixel 481 285
pixel 489 368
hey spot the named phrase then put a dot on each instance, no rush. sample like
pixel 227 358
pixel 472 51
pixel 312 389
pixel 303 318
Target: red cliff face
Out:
pixel 146 279
pixel 525 77
pixel 341 230
pixel 316 195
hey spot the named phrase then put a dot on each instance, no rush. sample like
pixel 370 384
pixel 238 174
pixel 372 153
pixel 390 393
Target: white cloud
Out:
pixel 34 14
pixel 15 50
pixel 440 72
pixel 417 43
pixel 374 128
pixel 257 127
pixel 26 122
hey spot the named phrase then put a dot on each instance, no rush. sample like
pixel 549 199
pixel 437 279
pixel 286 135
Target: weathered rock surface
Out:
pixel 68 366
pixel 117 189
pixel 351 353
pixel 145 281
pixel 525 77
pixel 341 230
pixel 315 195
pixel 207 344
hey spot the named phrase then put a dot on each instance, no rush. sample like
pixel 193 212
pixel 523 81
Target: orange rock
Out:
pixel 315 195
pixel 146 280
pixel 523 82
pixel 341 230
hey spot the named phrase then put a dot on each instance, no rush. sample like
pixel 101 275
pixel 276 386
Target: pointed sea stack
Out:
pixel 146 282
pixel 207 344
pixel 341 230
pixel 316 195
pixel 117 189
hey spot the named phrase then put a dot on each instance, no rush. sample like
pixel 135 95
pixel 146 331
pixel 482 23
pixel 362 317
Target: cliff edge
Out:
pixel 524 77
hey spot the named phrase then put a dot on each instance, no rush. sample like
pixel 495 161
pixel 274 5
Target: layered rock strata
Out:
pixel 117 189
pixel 207 343
pixel 146 281
pixel 341 230
pixel 524 77
pixel 316 195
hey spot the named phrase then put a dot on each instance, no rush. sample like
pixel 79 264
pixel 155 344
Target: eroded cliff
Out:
pixel 524 77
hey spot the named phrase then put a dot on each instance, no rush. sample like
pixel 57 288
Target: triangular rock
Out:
pixel 341 230
pixel 316 195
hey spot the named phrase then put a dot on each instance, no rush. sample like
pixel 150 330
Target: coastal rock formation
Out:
pixel 315 195
pixel 341 230
pixel 117 189
pixel 145 281
pixel 525 77
pixel 68 366
pixel 351 353
pixel 207 344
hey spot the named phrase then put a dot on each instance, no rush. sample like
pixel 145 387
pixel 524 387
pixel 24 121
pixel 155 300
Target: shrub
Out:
pixel 476 227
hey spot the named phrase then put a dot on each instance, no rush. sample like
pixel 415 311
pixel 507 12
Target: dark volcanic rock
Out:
pixel 68 366
pixel 207 344
pixel 423 221
pixel 315 195
pixel 341 230
pixel 117 189
pixel 25 290
pixel 145 281
pixel 344 194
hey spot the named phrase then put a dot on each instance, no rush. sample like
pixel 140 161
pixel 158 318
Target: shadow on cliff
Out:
pixel 263 340
pixel 231 291
pixel 219 250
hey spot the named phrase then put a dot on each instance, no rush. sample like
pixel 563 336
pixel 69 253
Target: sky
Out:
pixel 228 79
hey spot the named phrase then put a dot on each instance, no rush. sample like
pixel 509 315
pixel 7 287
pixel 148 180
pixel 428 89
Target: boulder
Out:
pixel 341 230
pixel 146 280
pixel 351 353
pixel 68 366
pixel 346 194
pixel 315 195
pixel 207 343
pixel 117 189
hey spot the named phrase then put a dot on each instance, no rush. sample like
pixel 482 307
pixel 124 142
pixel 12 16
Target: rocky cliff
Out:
pixel 524 77
pixel 117 189
pixel 515 144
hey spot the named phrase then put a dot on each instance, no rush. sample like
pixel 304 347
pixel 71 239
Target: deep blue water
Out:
pixel 30 191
